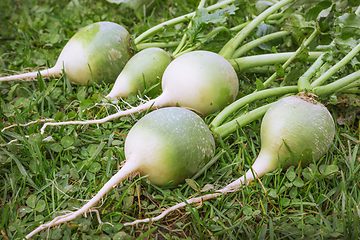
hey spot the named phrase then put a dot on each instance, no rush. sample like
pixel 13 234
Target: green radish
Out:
pixel 96 53
pixel 140 72
pixel 200 80
pixel 167 145
pixel 295 130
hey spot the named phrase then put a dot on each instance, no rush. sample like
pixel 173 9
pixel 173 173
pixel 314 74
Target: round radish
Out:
pixel 169 145
pixel 140 72
pixel 96 53
pixel 202 81
pixel 295 130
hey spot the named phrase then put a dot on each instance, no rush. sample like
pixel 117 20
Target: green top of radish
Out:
pixel 104 47
pixel 97 52
pixel 140 72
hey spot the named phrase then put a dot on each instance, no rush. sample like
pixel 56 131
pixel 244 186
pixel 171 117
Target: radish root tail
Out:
pixel 27 124
pixel 232 187
pixel 177 206
pixel 152 104
pixel 31 76
pixel 124 173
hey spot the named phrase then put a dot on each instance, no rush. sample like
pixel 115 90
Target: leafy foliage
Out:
pixel 203 18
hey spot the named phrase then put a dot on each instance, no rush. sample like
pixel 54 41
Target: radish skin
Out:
pixel 96 53
pixel 202 81
pixel 145 67
pixel 167 145
pixel 306 127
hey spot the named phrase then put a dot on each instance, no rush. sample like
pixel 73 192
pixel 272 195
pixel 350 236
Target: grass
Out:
pixel 41 178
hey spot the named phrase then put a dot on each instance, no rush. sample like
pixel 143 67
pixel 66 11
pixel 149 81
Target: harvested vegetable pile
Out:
pixel 179 119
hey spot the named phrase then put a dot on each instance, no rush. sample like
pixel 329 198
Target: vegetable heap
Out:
pixel 192 99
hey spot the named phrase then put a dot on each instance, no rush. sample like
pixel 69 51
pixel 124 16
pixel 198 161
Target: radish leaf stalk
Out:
pixel 270 17
pixel 336 67
pixel 246 47
pixel 248 117
pixel 219 119
pixel 354 84
pixel 337 85
pixel 243 63
pixel 229 48
pixel 304 80
pixel 292 58
pixel 142 46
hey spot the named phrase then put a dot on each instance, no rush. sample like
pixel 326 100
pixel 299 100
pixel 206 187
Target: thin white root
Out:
pixel 160 102
pixel 86 122
pixel 30 76
pixel 27 124
pixel 232 187
pixel 54 222
pixel 122 174
pixel 98 217
pixel 9 78
pixel 177 206
pixel 22 125
pixel 12 141
pixel 25 77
